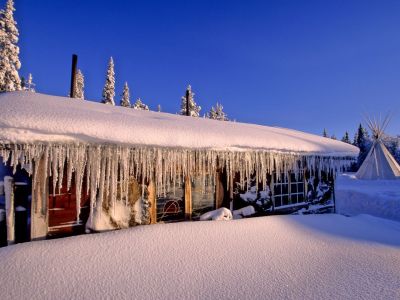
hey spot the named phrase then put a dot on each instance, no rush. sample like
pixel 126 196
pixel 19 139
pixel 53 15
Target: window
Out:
pixel 288 190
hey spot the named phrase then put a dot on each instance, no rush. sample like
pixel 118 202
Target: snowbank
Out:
pixel 278 257
pixel 380 198
pixel 33 117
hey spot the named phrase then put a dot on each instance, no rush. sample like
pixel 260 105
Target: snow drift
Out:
pixel 278 257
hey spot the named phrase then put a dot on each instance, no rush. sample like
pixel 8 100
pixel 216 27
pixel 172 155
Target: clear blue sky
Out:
pixel 299 64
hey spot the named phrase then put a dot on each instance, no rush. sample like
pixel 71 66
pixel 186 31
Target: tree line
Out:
pixel 363 141
pixel 11 81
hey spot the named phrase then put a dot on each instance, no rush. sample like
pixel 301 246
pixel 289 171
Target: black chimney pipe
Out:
pixel 73 75
pixel 187 102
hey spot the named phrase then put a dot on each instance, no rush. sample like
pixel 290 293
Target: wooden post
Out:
pixel 153 202
pixel 73 75
pixel 40 198
pixel 10 214
pixel 231 191
pixel 188 198
pixel 219 190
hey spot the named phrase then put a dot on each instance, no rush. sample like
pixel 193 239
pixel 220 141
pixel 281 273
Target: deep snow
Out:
pixel 380 198
pixel 32 117
pixel 275 257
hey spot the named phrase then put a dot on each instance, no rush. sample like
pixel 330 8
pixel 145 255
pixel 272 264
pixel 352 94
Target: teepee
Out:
pixel 379 163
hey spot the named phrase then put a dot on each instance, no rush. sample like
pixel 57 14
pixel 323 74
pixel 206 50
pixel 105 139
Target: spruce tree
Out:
pixel 333 137
pixel 194 109
pixel 361 141
pixel 28 85
pixel 159 108
pixel 80 85
pixel 346 138
pixel 324 133
pixel 109 86
pixel 9 50
pixel 125 100
pixel 217 113
pixel 139 105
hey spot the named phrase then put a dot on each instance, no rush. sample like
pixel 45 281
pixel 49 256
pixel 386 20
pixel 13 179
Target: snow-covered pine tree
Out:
pixel 333 137
pixel 125 100
pixel 109 86
pixel 362 142
pixel 9 50
pixel 80 85
pixel 194 109
pixel 28 85
pixel 325 133
pixel 159 108
pixel 346 138
pixel 139 105
pixel 217 113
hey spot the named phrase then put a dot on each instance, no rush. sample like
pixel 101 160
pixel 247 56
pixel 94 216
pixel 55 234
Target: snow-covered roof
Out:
pixel 27 118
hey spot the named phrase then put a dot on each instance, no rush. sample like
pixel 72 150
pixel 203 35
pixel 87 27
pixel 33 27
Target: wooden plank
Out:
pixel 153 202
pixel 188 198
pixel 10 214
pixel 40 195
pixel 219 189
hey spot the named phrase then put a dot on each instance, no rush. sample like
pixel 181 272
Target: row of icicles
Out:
pixel 109 169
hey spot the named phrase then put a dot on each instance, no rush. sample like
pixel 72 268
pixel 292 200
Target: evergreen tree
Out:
pixel 28 85
pixel 80 85
pixel 217 113
pixel 346 138
pixel 194 109
pixel 9 50
pixel 159 108
pixel 333 137
pixel 125 100
pixel 324 133
pixel 361 141
pixel 109 86
pixel 139 105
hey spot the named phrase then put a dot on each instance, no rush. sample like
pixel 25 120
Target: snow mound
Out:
pixel 380 198
pixel 244 212
pixel 220 214
pixel 33 117
pixel 278 257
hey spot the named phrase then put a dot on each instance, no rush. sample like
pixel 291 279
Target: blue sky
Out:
pixel 299 64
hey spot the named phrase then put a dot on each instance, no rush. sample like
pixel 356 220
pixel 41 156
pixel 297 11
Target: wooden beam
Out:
pixel 40 199
pixel 153 202
pixel 10 214
pixel 219 189
pixel 188 198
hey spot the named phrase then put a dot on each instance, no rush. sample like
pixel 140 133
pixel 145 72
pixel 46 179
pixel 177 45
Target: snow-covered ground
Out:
pixel 276 257
pixel 380 198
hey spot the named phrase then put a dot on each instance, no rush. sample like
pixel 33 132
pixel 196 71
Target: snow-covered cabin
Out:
pixel 98 166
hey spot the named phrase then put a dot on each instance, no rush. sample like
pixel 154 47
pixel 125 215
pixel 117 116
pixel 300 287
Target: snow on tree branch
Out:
pixel 194 109
pixel 217 113
pixel 139 105
pixel 9 51
pixel 125 100
pixel 109 86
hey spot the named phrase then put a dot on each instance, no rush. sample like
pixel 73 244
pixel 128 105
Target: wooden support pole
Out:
pixel 73 75
pixel 188 198
pixel 10 214
pixel 219 189
pixel 153 202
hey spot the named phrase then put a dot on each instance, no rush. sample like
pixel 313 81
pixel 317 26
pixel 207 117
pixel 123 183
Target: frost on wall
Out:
pixel 109 169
